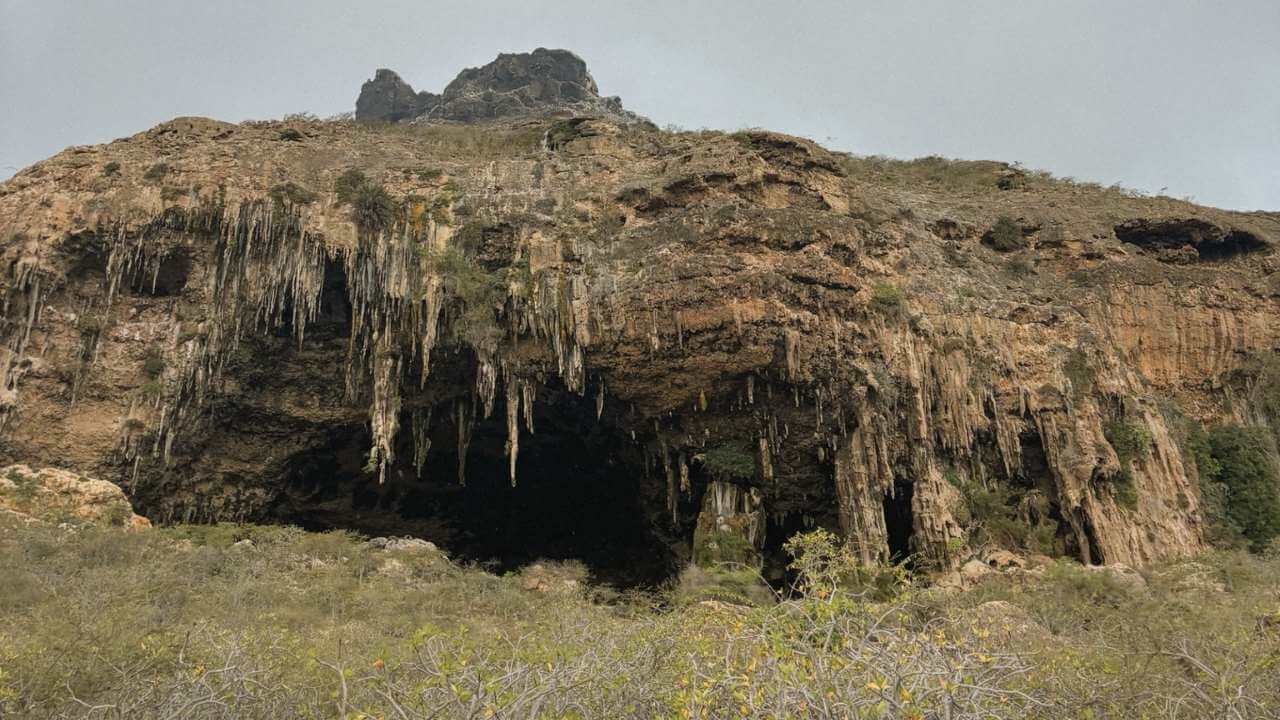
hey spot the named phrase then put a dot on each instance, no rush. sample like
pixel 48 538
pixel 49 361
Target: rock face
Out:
pixel 52 495
pixel 539 83
pixel 387 97
pixel 582 338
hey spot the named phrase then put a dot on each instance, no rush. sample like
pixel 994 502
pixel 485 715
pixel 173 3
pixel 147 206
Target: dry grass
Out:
pixel 182 622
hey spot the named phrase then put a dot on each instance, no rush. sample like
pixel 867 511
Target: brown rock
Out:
pixel 54 495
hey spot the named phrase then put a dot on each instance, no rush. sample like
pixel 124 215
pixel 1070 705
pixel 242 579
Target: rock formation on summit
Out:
pixel 387 97
pixel 542 82
pixel 584 337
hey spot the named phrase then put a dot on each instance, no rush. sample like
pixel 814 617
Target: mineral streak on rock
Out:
pixel 844 330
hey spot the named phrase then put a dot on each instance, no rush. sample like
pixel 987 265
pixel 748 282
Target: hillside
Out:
pixel 523 331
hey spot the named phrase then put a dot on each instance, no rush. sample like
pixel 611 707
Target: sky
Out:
pixel 1177 97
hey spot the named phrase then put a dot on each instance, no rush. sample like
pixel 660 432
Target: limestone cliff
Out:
pixel 587 330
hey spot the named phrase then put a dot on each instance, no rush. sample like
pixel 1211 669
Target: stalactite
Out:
pixel 600 400
pixel 526 396
pixel 512 386
pixel 684 473
pixel 384 410
pixel 464 417
pixel 791 340
pixel 766 461
pixel 421 420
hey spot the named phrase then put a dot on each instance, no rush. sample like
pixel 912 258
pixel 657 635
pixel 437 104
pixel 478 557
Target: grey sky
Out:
pixel 1152 94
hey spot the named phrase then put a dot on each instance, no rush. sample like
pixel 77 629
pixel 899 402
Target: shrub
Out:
pixel 1005 235
pixel 153 363
pixel 1078 370
pixel 111 169
pixel 347 184
pixel 826 567
pixel 1246 469
pixel 156 173
pixel 722 546
pixel 741 586
pixel 291 135
pixel 293 194
pixel 1130 441
pixel 372 208
pixel 727 462
pixel 1019 267
pixel 887 298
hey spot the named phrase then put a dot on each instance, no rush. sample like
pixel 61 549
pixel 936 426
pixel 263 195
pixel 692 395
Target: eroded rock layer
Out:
pixel 653 323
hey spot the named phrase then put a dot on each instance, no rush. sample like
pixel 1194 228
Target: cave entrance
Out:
pixel 581 493
pixel 898 521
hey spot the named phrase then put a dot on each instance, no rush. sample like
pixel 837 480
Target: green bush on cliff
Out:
pixel 887 298
pixel 1130 440
pixel 727 462
pixel 1244 468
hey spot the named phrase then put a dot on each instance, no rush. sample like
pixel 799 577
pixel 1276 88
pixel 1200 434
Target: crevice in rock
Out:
pixel 898 520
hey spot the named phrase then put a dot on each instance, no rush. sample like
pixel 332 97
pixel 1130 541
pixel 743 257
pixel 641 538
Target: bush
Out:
pixel 111 169
pixel 1130 441
pixel 722 546
pixel 156 173
pixel 887 298
pixel 1005 235
pixel 727 462
pixel 372 208
pixel 153 363
pixel 1078 370
pixel 1246 470
pixel 292 194
pixel 347 184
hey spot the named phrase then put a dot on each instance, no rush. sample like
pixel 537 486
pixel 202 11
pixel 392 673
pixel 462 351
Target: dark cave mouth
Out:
pixel 581 494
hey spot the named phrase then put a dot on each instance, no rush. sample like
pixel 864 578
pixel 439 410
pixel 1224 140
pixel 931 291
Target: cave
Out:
pixel 1204 240
pixel 164 277
pixel 898 521
pixel 581 493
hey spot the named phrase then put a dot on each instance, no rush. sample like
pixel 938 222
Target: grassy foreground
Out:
pixel 182 622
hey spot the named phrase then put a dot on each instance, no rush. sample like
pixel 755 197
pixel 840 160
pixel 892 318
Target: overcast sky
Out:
pixel 1173 94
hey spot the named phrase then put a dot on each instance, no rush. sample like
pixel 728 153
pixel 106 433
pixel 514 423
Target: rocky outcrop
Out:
pixel 387 97
pixel 585 338
pixel 539 83
pixel 51 495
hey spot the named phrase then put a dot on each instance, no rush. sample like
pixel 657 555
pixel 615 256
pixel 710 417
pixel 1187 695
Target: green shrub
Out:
pixel 1006 235
pixel 1079 371
pixel 738 586
pixel 1130 441
pixel 111 169
pixel 293 194
pixel 347 184
pixel 372 208
pixel 713 547
pixel 153 363
pixel 156 173
pixel 887 298
pixel 1246 470
pixel 1019 267
pixel 728 462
